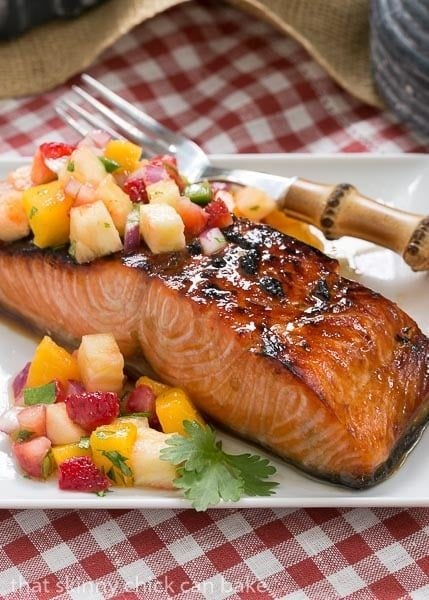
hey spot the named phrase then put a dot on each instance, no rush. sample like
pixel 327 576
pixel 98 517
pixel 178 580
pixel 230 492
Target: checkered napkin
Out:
pixel 269 97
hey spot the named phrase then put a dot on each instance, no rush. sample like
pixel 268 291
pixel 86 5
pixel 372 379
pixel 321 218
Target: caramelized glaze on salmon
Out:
pixel 265 336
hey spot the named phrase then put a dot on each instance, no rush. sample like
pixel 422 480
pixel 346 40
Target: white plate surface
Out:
pixel 402 180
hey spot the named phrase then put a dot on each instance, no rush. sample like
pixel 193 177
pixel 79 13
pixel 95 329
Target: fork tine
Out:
pixel 126 127
pixel 157 129
pixel 74 124
pixel 92 119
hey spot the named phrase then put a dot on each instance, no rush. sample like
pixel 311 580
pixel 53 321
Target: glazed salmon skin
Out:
pixel 265 336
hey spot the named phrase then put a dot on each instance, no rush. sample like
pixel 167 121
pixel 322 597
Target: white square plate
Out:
pixel 402 180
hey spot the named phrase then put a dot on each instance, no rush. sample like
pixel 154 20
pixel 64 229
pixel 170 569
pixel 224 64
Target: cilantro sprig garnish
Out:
pixel 207 474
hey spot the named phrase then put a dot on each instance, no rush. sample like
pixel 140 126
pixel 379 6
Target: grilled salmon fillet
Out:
pixel 265 336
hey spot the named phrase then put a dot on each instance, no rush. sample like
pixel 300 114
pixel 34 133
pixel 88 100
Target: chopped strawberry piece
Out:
pixel 31 455
pixel 136 189
pixel 92 409
pixel 60 391
pixel 56 149
pixel 219 215
pixel 81 474
pixel 142 399
pixel 33 419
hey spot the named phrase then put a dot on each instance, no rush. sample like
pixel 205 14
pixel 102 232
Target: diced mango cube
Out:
pixel 115 200
pixel 48 210
pixel 172 408
pixel 125 153
pixel 101 363
pixel 50 362
pixel 92 232
pixel 112 446
pixel 156 386
pixel 165 191
pixel 253 203
pixel 66 451
pixel 162 228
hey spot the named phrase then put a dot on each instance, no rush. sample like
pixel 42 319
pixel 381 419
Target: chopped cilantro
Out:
pixel 70 166
pixel 207 474
pixel 23 435
pixel 109 164
pixel 43 394
pixel 106 225
pixel 84 442
pixel 72 248
pixel 34 210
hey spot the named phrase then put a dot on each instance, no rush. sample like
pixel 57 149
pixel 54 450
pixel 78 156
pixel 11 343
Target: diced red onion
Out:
pixel 212 241
pixel 219 185
pixel 9 420
pixel 75 387
pixel 132 231
pixel 154 173
pixel 72 187
pixel 96 139
pixel 20 380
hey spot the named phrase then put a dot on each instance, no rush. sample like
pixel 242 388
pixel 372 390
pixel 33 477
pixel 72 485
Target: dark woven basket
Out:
pixel 16 16
pixel 400 58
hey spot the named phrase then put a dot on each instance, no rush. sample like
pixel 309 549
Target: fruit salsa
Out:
pixel 100 197
pixel 76 414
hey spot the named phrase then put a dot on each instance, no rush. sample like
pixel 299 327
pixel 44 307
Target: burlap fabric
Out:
pixel 335 33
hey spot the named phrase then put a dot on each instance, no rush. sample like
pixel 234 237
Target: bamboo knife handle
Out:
pixel 339 210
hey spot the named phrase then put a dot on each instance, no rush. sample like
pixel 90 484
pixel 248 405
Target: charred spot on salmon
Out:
pixel 321 290
pixel 218 262
pixel 194 248
pixel 211 290
pixel 271 343
pixel 272 286
pixel 249 262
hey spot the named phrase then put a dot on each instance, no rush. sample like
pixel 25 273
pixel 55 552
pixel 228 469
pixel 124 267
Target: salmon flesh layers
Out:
pixel 265 336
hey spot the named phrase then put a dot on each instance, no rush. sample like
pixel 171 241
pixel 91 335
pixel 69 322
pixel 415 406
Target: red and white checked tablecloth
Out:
pixel 233 84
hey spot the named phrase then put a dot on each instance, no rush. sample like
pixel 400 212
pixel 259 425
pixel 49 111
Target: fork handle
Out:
pixel 339 210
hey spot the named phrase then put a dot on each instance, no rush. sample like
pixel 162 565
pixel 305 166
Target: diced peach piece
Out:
pixel 60 429
pixel 31 456
pixel 33 419
pixel 40 173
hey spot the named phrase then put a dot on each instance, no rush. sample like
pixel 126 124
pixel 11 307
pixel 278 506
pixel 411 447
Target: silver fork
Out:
pixel 337 210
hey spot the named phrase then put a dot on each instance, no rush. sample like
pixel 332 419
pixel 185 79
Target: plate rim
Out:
pixel 135 501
